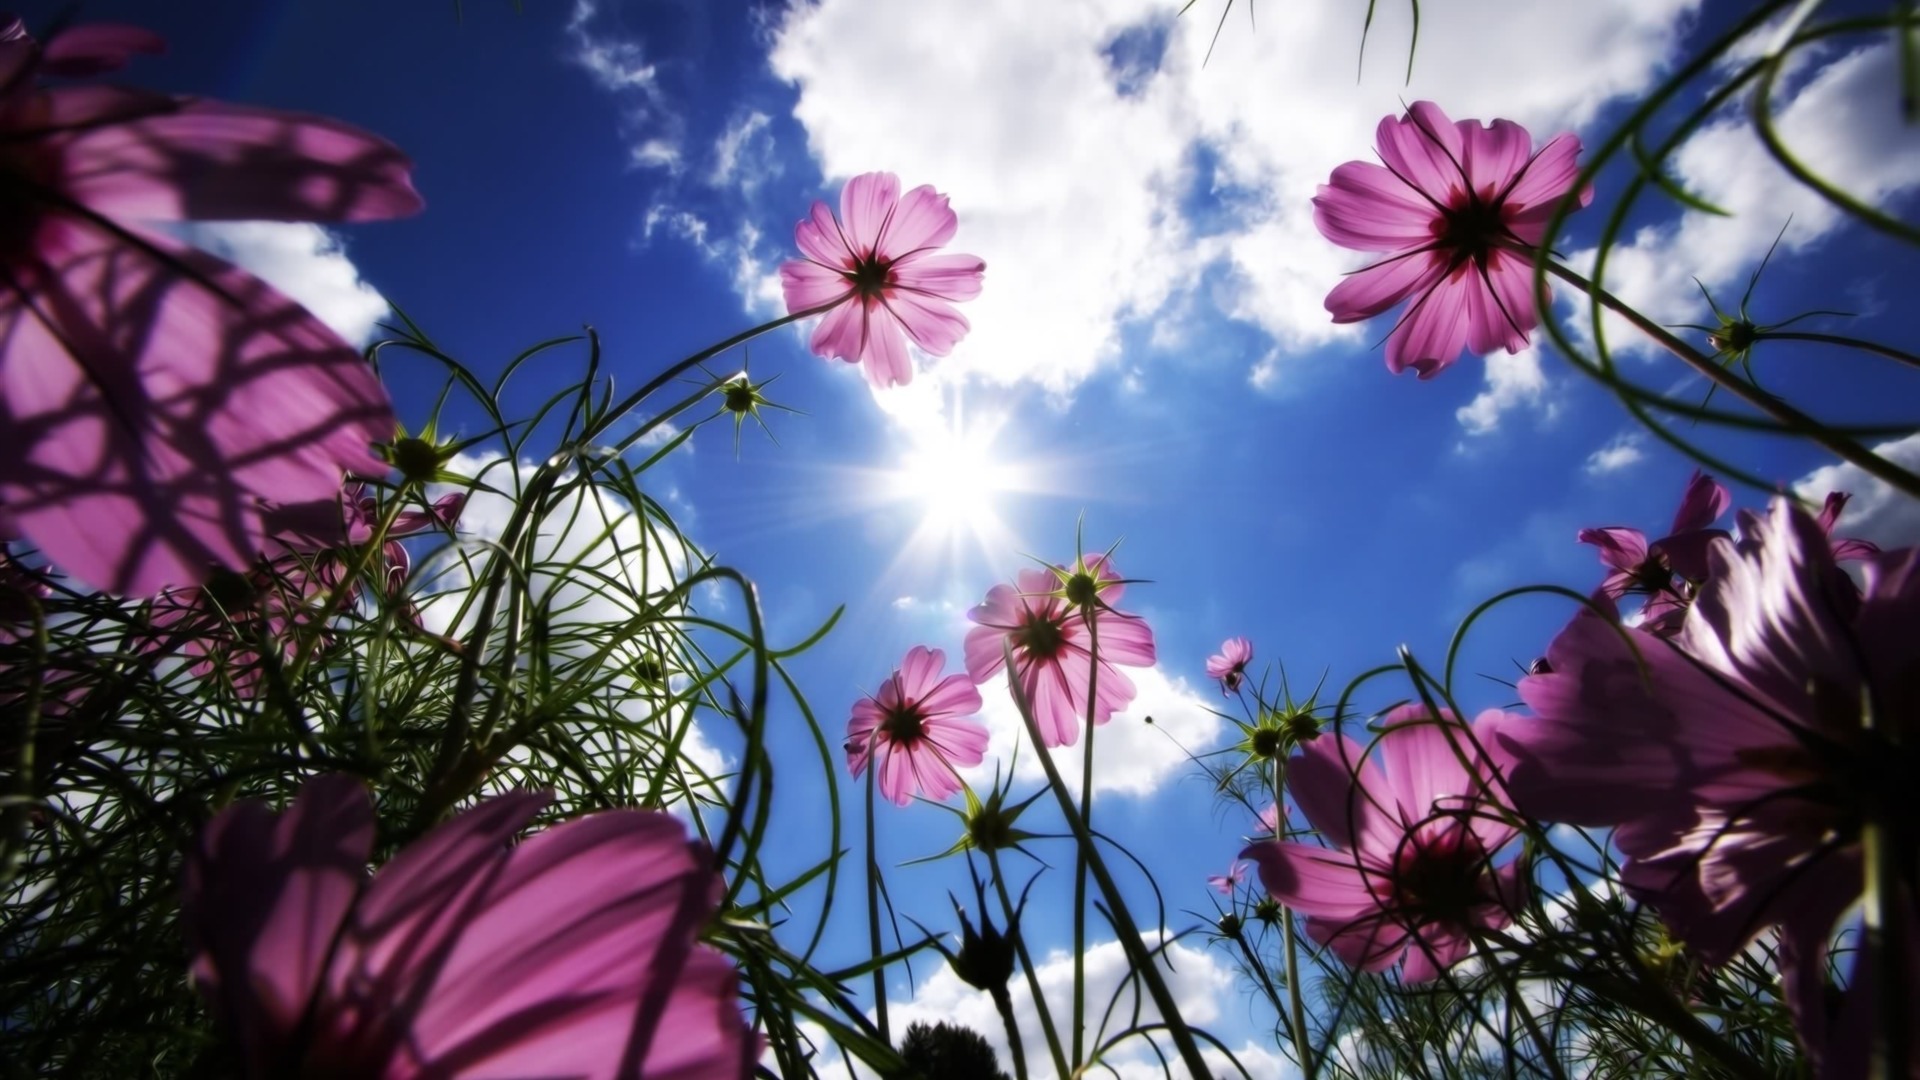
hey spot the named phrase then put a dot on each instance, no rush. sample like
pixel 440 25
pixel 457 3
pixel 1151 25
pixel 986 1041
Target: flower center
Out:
pixel 1440 876
pixel 904 726
pixel 1082 590
pixel 1040 636
pixel 1471 229
pixel 870 276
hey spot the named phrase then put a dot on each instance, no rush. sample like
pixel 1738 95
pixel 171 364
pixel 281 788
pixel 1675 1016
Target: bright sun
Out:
pixel 950 471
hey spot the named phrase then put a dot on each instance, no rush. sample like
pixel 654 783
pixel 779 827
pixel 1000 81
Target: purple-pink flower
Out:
pixel 875 264
pixel 1733 758
pixel 916 731
pixel 150 394
pixel 1458 209
pixel 1669 570
pixel 1409 870
pixel 1229 665
pixel 571 953
pixel 1224 884
pixel 1051 639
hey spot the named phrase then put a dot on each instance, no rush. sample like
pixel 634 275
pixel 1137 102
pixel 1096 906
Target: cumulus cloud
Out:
pixel 1843 122
pixel 1089 152
pixel 596 568
pixel 303 260
pixel 619 65
pixel 1200 982
pixel 1622 451
pixel 1877 512
pixel 1130 756
pixel 1513 381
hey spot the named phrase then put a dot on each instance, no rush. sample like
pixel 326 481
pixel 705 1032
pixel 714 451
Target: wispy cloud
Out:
pixel 1622 451
pixel 619 65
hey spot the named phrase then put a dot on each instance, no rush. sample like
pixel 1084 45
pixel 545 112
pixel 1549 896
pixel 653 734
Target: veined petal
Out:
pixel 1500 309
pixel 1424 148
pixel 1537 190
pixel 1494 154
pixel 819 238
pixel 1620 548
pixel 920 672
pixel 1314 880
pixel 1369 291
pixel 1433 333
pixel 1367 208
pixel 954 696
pixel 949 277
pixel 866 202
pixel 95 48
pixel 923 219
pixel 934 325
pixel 806 284
pixel 207 160
pixel 883 346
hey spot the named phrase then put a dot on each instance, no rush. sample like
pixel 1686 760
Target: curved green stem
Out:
pixel 873 915
pixel 1846 449
pixel 1009 914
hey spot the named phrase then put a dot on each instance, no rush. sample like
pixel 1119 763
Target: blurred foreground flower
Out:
pixel 150 394
pixel 1410 870
pixel 875 264
pixel 1052 639
pixel 1735 759
pixel 916 730
pixel 1229 665
pixel 571 953
pixel 1459 208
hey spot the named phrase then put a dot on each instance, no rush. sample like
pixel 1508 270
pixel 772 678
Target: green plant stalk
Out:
pixel 1296 1008
pixel 1026 965
pixel 1003 1002
pixel 873 912
pixel 1518 1004
pixel 1886 931
pixel 1080 851
pixel 1137 953
pixel 1846 449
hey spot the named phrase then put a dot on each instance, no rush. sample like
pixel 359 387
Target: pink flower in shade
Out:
pixel 571 953
pixel 151 395
pixel 1409 870
pixel 1845 549
pixel 1229 665
pixel 312 546
pixel 1458 210
pixel 1668 570
pixel 1732 758
pixel 875 264
pixel 917 730
pixel 1051 639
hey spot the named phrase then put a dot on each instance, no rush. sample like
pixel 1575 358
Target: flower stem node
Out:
pixel 1267 910
pixel 417 459
pixel 1229 926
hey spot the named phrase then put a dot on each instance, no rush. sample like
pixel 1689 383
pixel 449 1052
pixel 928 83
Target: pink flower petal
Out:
pixel 805 284
pixel 934 325
pixel 1369 291
pixel 1493 154
pixel 96 48
pixel 207 160
pixel 819 238
pixel 1314 880
pixel 948 277
pixel 1367 208
pixel 866 203
pixel 922 220
pixel 147 413
pixel 1433 332
pixel 1424 148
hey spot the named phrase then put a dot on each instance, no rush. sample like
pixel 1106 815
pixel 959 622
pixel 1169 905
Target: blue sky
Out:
pixel 1150 359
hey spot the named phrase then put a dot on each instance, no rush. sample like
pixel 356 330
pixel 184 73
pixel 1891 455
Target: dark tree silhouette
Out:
pixel 949 1052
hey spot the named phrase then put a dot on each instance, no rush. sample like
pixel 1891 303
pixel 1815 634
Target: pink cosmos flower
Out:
pixel 1845 549
pixel 571 953
pixel 1224 884
pixel 311 547
pixel 1051 639
pixel 1668 570
pixel 916 730
pixel 1229 665
pixel 1268 820
pixel 1409 867
pixel 1458 209
pixel 1732 758
pixel 151 395
pixel 876 264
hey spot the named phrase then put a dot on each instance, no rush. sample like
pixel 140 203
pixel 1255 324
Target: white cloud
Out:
pixel 1622 451
pixel 1074 173
pixel 302 260
pixel 743 155
pixel 1844 123
pixel 1198 980
pixel 619 65
pixel 597 568
pixel 1513 381
pixel 1130 756
pixel 1877 512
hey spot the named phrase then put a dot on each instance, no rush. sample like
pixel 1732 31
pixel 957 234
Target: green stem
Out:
pixel 1080 852
pixel 1138 955
pixel 1887 351
pixel 1004 1002
pixel 1008 912
pixel 1297 1011
pixel 1518 1004
pixel 873 913
pixel 1886 930
pixel 1786 415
